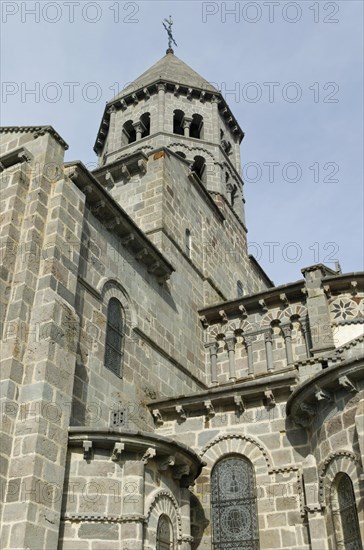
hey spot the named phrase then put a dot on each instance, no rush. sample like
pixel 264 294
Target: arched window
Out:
pixel 164 534
pixel 196 128
pixel 188 243
pixel 145 120
pixel 234 505
pixel 178 117
pixel 239 289
pixel 199 167
pixel 129 133
pixel 114 337
pixel 344 514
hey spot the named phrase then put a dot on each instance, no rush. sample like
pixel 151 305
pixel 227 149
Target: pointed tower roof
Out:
pixel 171 69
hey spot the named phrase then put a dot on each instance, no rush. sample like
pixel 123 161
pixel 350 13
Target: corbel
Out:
pixel 346 383
pixel 156 265
pixel 189 93
pixel 269 398
pixel 327 290
pixel 97 206
pixel 123 104
pixel 141 254
pixel 223 316
pixel 284 299
pixel 210 411
pixel 146 93
pixel 117 451
pixel 239 403
pixel 243 311
pixel 128 239
pixel 148 455
pixel 112 223
pixel 166 462
pixel 110 180
pixel 204 321
pixel 135 99
pixel 263 305
pixel 176 90
pixel 181 412
pixel 203 97
pixel 323 395
pixel 180 470
pixel 125 172
pixel 87 449
pixel 142 166
pixel 157 417
pixel 354 287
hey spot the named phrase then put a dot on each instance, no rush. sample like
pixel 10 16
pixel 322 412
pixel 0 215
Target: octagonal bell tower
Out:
pixel 172 106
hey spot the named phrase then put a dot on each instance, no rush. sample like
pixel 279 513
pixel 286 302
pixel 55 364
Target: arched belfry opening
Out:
pixel 199 168
pixel 178 117
pixel 196 128
pixel 129 133
pixel 145 120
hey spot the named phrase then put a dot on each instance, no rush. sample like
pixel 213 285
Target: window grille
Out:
pixel 234 505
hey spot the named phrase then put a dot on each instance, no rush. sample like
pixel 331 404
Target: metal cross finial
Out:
pixel 168 28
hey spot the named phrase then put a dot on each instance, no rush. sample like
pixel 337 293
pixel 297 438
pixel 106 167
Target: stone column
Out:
pixel 186 125
pixel 139 129
pixel 286 331
pixel 161 106
pixel 230 346
pixel 213 361
pixel 306 336
pixel 133 504
pixel 186 519
pixel 249 348
pixel 268 350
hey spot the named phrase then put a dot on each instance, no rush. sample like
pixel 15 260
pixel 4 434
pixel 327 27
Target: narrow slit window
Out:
pixel 188 243
pixel 114 337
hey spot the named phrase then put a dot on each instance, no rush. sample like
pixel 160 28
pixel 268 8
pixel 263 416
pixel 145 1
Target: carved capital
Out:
pixel 230 342
pixel 268 337
pixel 286 331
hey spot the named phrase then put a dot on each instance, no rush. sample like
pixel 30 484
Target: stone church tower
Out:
pixel 158 391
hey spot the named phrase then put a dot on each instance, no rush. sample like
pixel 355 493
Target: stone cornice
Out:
pixel 352 282
pixel 293 291
pixel 36 130
pixel 137 442
pixel 112 216
pixel 251 388
pixel 302 405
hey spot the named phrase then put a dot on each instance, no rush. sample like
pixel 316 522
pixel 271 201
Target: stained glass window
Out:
pixel 164 534
pixel 234 505
pixel 114 337
pixel 345 515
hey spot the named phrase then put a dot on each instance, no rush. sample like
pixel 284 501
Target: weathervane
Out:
pixel 169 32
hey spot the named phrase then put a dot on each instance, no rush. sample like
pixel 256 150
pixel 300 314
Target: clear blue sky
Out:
pixel 296 71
